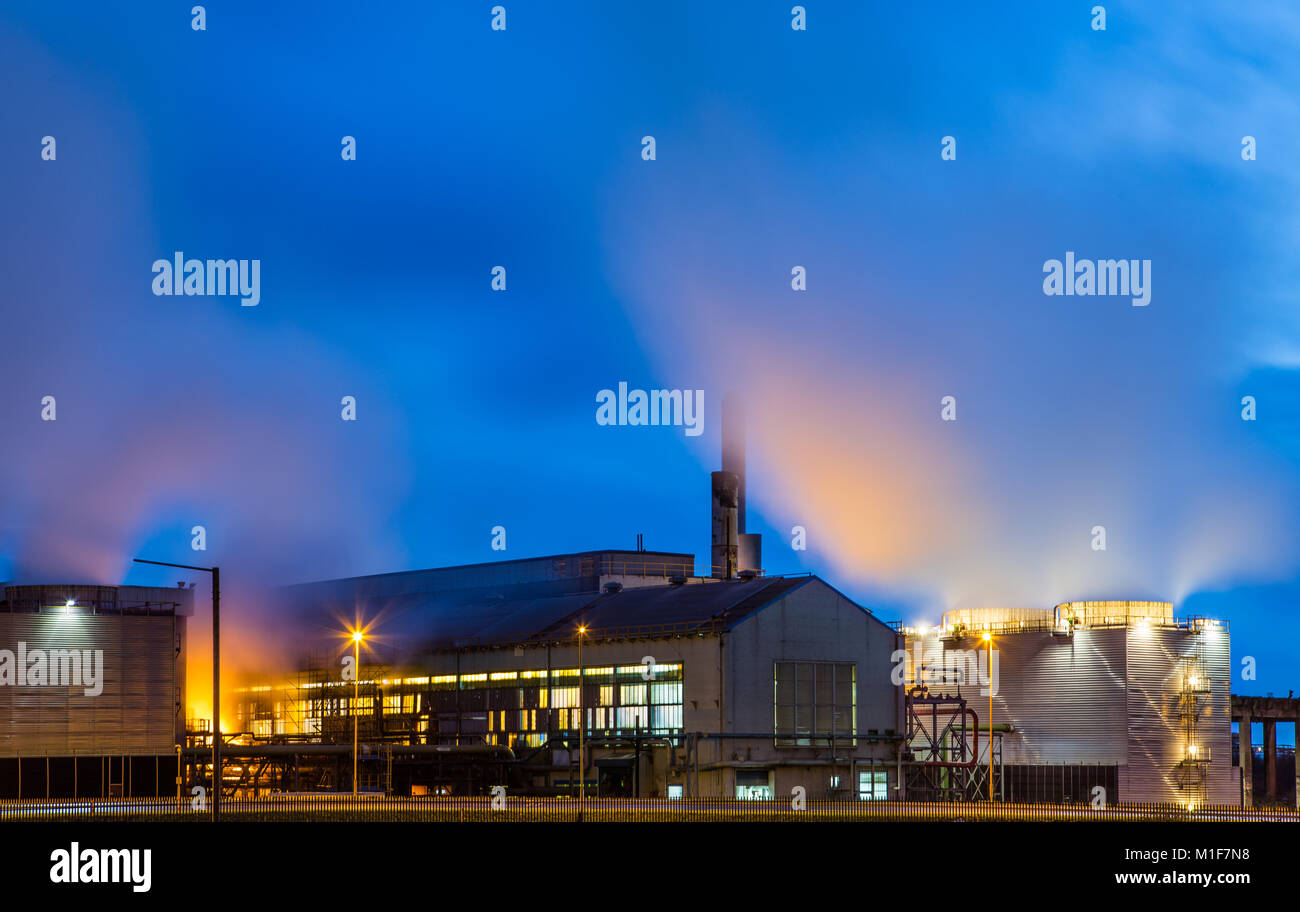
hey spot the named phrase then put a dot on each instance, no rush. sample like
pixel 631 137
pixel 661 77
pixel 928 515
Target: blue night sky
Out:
pixel 775 148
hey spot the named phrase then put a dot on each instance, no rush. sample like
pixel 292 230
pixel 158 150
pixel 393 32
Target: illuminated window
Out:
pixel 670 692
pixel 665 717
pixel 873 785
pixel 633 717
pixel 753 785
pixel 815 702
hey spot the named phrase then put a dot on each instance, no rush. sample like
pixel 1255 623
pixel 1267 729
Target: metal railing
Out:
pixel 502 808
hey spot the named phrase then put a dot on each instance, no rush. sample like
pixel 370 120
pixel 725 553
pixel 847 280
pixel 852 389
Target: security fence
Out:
pixel 503 808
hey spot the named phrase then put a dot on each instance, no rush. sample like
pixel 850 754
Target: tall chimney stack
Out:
pixel 733 549
pixel 724 535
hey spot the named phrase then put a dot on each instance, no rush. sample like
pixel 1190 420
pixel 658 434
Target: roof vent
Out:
pixel 611 588
pixel 678 580
pixel 746 575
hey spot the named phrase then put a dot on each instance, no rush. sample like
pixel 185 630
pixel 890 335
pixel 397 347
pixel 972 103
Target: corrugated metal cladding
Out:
pixel 1064 695
pixel 1106 696
pixel 1158 661
pixel 136 712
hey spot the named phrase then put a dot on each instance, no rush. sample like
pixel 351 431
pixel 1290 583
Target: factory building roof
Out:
pixel 662 610
pixel 726 601
pixel 581 568
pixel 487 618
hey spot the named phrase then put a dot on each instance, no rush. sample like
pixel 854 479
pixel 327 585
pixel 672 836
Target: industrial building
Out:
pixel 627 671
pixel 92 690
pixel 688 686
pixel 727 682
pixel 636 673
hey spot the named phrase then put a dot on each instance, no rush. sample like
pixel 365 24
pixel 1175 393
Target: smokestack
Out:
pixel 733 549
pixel 724 534
pixel 749 555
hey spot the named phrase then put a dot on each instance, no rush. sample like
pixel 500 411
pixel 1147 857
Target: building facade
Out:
pixel 686 687
pixel 92 689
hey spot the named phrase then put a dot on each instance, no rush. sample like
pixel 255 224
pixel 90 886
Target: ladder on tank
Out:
pixel 1193 698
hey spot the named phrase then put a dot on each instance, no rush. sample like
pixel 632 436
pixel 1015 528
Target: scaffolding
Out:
pixel 943 743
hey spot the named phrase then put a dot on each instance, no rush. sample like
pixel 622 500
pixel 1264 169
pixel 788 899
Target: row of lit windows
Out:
pixel 658 693
pixel 646 705
pixel 659 718
pixel 496 677
pixel 665 717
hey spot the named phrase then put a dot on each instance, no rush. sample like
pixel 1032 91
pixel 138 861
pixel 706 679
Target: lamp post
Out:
pixel 988 645
pixel 216 676
pixel 582 728
pixel 357 637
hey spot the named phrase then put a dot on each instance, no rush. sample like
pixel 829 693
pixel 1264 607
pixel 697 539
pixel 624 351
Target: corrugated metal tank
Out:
pixel 1106 696
pixel 138 709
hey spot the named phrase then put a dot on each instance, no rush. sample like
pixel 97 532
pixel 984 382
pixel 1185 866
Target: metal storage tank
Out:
pixel 135 704
pixel 1111 684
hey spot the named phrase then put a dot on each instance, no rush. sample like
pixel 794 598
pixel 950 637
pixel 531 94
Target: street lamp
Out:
pixel 216 677
pixel 582 728
pixel 988 644
pixel 357 637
